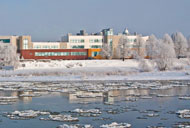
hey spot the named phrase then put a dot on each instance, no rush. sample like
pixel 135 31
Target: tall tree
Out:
pixel 180 43
pixel 122 47
pixel 151 46
pixel 8 55
pixel 106 51
pixel 140 46
pixel 168 40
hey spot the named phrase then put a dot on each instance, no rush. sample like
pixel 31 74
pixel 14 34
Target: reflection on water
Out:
pixel 79 96
pixel 121 102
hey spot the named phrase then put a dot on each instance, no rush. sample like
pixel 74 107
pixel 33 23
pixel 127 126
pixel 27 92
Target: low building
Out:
pixel 79 46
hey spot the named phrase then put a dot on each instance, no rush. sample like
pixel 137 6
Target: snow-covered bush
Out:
pixel 144 67
pixel 161 51
pixel 179 67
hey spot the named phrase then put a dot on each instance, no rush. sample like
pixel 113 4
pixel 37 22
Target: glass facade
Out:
pixel 60 53
pixel 5 40
pixel 25 44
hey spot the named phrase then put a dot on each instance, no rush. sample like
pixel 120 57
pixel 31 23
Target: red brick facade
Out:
pixel 30 54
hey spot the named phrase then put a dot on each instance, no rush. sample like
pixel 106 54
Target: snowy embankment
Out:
pixel 93 70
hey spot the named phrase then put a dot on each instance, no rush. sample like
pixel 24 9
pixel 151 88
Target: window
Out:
pixel 95 54
pixel 77 46
pixel 25 44
pixel 110 42
pixel 82 41
pixel 5 40
pixel 96 46
pixel 91 41
pixel 51 53
pixel 54 47
pixel 78 53
pixel 96 40
pixel 37 47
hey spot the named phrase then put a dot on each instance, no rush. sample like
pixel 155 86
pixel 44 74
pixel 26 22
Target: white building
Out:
pixel 83 40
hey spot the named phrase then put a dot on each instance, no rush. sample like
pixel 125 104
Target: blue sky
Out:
pixel 48 20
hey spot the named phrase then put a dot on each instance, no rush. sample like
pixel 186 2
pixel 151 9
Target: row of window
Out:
pixel 77 46
pixel 96 40
pixel 82 46
pixel 96 46
pixel 82 40
pixel 132 40
pixel 46 47
pixel 5 40
pixel 60 53
pixel 77 40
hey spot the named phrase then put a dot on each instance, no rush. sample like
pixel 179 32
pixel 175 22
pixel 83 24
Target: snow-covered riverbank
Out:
pixel 81 70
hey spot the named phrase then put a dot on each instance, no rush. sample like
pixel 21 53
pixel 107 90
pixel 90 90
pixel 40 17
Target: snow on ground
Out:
pixel 78 63
pixel 92 70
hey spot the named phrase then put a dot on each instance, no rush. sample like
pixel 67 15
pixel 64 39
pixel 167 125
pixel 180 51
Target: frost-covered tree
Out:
pixel 180 43
pixel 122 47
pixel 188 50
pixel 140 45
pixel 165 55
pixel 8 55
pixel 168 40
pixel 106 51
pixel 151 46
pixel 161 51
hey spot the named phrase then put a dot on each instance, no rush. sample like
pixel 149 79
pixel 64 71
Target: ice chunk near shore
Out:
pixel 116 125
pixel 75 126
pixel 27 114
pixel 183 113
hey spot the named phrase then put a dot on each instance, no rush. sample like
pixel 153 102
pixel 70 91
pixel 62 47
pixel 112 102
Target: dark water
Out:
pixel 124 111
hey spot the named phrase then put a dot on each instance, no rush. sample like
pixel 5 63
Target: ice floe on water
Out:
pixel 182 125
pixel 184 98
pixel 27 114
pixel 95 111
pixel 87 113
pixel 184 113
pixel 62 118
pixel 115 97
pixel 8 100
pixel 75 126
pixel 116 125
